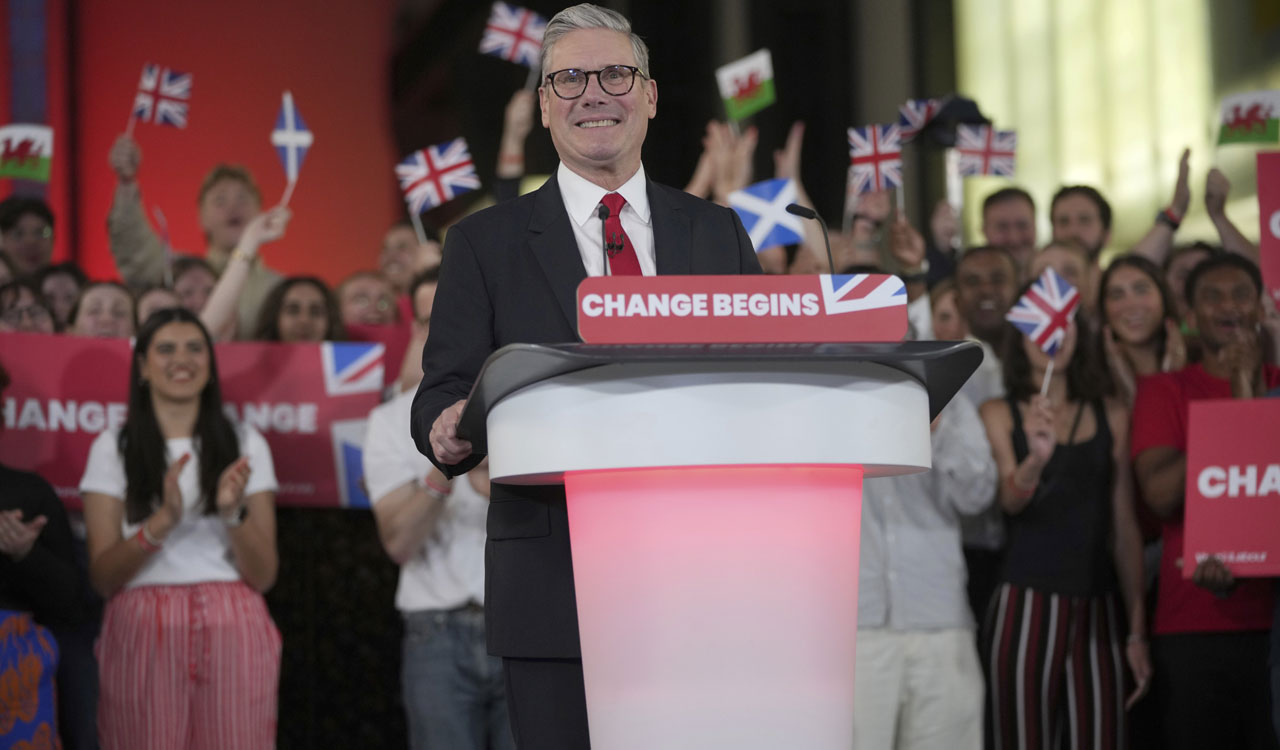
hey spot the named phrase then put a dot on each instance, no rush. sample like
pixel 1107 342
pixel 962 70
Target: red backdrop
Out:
pixel 334 57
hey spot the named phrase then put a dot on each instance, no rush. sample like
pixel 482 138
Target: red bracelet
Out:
pixel 1021 493
pixel 144 541
pixel 445 490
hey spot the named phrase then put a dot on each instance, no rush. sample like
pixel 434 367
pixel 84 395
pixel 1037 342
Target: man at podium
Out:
pixel 510 275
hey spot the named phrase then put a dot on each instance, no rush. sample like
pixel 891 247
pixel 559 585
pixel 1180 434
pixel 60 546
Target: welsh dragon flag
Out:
pixel 746 85
pixel 26 152
pixel 1251 118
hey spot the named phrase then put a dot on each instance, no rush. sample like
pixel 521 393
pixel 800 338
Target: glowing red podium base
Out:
pixel 717 605
pixel 714 498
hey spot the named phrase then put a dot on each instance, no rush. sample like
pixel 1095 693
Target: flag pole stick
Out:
pixel 128 129
pixel 734 129
pixel 288 193
pixel 1048 374
pixel 850 204
pixel 531 83
pixel 902 201
pixel 417 228
pixel 955 194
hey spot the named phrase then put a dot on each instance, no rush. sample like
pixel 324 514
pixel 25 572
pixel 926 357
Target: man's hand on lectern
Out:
pixel 444 436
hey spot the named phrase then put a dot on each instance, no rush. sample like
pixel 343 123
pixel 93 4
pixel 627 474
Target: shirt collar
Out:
pixel 582 197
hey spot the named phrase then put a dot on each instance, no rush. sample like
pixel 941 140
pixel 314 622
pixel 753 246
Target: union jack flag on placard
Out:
pixel 843 293
pixel 915 114
pixel 437 174
pixel 351 367
pixel 1045 311
pixel 875 158
pixel 986 151
pixel 514 34
pixel 163 96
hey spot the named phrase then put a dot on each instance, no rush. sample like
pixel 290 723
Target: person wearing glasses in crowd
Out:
pixel 23 310
pixel 510 274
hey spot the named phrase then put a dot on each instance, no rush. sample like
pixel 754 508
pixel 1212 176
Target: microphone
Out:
pixel 603 213
pixel 796 209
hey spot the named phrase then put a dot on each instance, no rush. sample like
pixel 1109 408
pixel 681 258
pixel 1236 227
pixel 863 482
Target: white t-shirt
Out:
pixel 448 570
pixel 198 549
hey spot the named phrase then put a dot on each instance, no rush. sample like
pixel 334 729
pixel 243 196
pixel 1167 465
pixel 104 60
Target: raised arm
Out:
pixel 1158 240
pixel 1216 188
pixel 219 313
pixel 138 252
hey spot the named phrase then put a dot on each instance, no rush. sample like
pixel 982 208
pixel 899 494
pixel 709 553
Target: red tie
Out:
pixel 622 256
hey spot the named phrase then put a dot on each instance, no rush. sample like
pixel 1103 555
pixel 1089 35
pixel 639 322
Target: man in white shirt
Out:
pixel 434 529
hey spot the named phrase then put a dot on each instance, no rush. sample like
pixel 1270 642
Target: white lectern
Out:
pixel 714 499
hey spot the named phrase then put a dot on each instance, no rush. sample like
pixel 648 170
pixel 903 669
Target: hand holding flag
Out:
pixel 1044 313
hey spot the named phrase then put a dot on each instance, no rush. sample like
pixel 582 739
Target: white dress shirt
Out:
pixel 582 201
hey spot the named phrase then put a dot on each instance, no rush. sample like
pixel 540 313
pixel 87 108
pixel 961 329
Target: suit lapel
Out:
pixel 554 246
pixel 672 242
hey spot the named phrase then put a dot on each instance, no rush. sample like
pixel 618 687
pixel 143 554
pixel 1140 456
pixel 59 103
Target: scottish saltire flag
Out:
pixel 437 174
pixel 348 462
pixel 1045 311
pixel 163 96
pixel 26 152
pixel 843 293
pixel 763 210
pixel 514 34
pixel 351 367
pixel 1251 118
pixel 915 114
pixel 875 158
pixel 986 151
pixel 746 85
pixel 291 137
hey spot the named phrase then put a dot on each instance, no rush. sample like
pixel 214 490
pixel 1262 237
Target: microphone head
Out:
pixel 603 212
pixel 801 211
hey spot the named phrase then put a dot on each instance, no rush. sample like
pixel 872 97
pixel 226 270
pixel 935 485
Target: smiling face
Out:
pixel 304 317
pixel 1225 304
pixel 597 135
pixel 105 311
pixel 1132 306
pixel 176 364
pixel 1075 217
pixel 1011 225
pixel 985 287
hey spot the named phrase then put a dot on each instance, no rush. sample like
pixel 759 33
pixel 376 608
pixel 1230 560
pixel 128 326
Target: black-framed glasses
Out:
pixel 615 80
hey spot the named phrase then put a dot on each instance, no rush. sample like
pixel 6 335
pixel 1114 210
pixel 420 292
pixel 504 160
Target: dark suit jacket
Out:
pixel 510 275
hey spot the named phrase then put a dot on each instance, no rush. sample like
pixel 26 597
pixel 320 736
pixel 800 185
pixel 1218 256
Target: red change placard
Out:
pixel 741 309
pixel 1233 485
pixel 1269 216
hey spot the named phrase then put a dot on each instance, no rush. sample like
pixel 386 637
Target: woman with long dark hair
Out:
pixel 179 505
pixel 1141 335
pixel 1054 632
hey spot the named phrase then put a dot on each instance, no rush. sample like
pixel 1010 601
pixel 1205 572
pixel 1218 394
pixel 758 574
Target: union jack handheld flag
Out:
pixel 915 114
pixel 437 174
pixel 875 158
pixel 985 150
pixel 163 96
pixel 1045 311
pixel 514 34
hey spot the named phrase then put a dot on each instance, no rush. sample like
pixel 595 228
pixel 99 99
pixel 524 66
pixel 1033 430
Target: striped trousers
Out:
pixel 1055 674
pixel 193 666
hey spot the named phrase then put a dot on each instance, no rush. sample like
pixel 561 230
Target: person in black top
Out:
pixel 39 583
pixel 1053 635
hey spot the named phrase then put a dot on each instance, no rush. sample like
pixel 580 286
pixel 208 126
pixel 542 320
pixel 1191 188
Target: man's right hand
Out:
pixel 444 436
pixel 124 159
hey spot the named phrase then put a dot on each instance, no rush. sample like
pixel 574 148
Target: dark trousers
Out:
pixel 547 703
pixel 1214 691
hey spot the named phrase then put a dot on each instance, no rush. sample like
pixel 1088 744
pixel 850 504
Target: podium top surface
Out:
pixel 942 367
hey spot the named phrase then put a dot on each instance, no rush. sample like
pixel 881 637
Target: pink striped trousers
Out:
pixel 188 667
pixel 1055 671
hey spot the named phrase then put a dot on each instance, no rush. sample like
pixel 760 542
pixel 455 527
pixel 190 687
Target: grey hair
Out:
pixel 588 16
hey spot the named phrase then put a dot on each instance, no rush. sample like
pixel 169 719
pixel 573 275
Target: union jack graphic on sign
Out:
pixel 514 34
pixel 348 462
pixel 915 114
pixel 875 158
pixel 1045 311
pixel 437 174
pixel 351 367
pixel 844 293
pixel 163 96
pixel 985 150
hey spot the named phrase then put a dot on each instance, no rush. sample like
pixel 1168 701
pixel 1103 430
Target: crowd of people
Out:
pixel 1026 592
